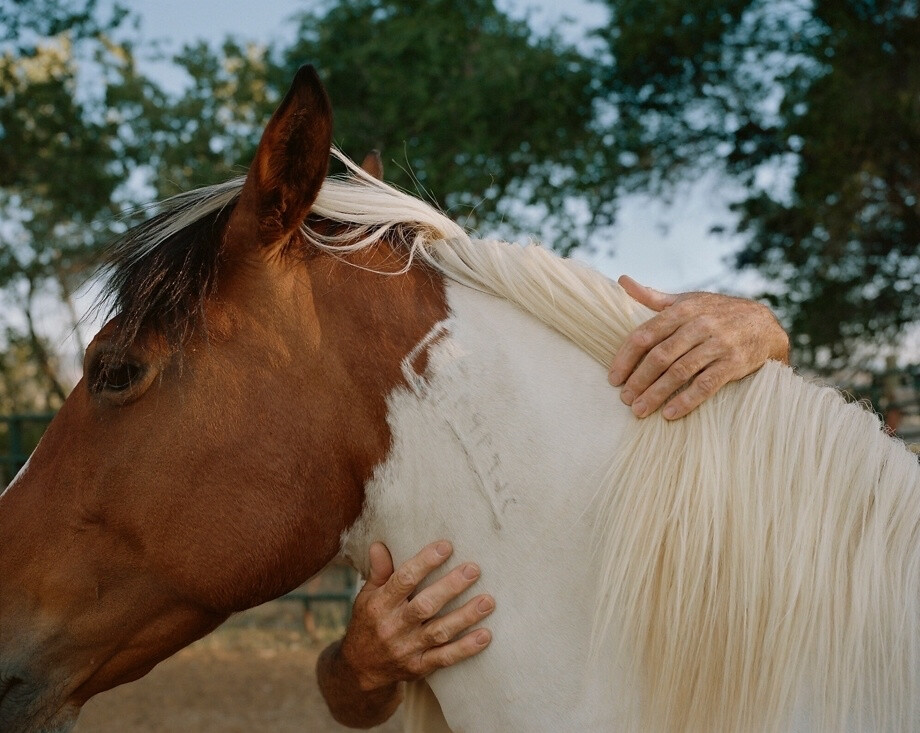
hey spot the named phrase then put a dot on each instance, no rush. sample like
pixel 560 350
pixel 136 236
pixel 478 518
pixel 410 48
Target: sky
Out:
pixel 664 244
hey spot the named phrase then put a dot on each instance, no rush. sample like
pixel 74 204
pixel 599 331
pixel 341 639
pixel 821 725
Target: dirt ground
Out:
pixel 255 674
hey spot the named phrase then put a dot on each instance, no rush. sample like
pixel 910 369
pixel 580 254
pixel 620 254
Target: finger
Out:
pixel 706 384
pixel 658 360
pixel 430 601
pixel 654 299
pixel 645 337
pixel 465 647
pixel 381 566
pixel 443 630
pixel 677 376
pixel 404 581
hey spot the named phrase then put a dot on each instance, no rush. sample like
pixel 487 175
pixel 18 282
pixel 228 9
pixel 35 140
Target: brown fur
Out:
pixel 225 476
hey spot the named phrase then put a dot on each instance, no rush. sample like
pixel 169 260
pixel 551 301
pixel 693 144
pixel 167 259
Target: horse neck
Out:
pixel 363 323
pixel 498 442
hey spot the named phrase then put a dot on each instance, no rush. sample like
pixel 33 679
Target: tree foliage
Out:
pixel 66 151
pixel 815 109
pixel 464 101
pixel 468 107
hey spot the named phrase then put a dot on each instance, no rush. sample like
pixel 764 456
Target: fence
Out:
pixel 19 434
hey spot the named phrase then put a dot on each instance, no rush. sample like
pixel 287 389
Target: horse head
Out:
pixel 219 440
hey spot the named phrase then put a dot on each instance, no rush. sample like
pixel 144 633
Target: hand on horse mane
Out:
pixel 698 343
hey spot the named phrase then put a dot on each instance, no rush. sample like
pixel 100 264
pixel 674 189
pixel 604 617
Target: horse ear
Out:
pixel 289 167
pixel 373 164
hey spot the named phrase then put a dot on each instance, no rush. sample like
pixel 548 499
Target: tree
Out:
pixel 68 146
pixel 815 109
pixel 469 107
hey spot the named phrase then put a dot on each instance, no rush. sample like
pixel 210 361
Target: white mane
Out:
pixel 763 548
pixel 765 545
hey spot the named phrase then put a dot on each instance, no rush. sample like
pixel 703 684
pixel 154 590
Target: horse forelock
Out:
pixel 162 272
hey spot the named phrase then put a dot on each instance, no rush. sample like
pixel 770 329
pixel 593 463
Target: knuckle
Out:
pixel 685 307
pixel 643 338
pixel 734 360
pixel 682 371
pixel 387 634
pixel 400 654
pixel 659 358
pixel 372 607
pixel 707 382
pixel 708 323
pixel 438 636
pixel 417 666
pixel 404 578
pixel 445 657
pixel 421 608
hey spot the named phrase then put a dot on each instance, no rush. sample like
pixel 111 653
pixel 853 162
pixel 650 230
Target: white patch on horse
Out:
pixel 474 459
pixel 467 425
pixel 416 380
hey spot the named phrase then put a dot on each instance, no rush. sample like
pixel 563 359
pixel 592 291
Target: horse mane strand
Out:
pixel 761 557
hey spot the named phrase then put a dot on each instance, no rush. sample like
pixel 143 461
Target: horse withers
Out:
pixel 300 366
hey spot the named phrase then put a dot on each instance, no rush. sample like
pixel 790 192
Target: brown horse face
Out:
pixel 165 494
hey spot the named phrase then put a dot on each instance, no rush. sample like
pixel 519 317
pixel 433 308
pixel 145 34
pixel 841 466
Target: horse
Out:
pixel 299 365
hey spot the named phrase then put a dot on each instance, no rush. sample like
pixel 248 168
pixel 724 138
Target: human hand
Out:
pixel 697 343
pixel 394 636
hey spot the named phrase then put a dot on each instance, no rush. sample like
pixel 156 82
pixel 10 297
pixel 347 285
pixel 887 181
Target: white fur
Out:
pixel 476 458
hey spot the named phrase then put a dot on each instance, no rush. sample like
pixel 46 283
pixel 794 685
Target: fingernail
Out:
pixel 615 379
pixel 485 605
pixel 670 412
pixel 627 396
pixel 638 408
pixel 482 637
pixel 442 548
pixel 470 572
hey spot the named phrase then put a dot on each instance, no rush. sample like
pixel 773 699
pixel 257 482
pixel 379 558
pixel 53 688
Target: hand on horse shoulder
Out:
pixel 396 634
pixel 698 343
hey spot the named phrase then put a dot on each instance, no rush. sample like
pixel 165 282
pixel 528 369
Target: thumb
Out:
pixel 654 299
pixel 381 566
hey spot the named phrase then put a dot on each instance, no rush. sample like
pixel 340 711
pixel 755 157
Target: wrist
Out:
pixel 353 702
pixel 348 662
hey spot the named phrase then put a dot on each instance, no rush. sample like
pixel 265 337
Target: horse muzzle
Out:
pixel 26 707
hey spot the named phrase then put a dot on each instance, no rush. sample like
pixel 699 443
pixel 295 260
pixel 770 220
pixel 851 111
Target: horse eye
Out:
pixel 117 376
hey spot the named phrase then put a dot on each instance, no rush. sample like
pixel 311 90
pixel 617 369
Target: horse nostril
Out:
pixel 8 687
